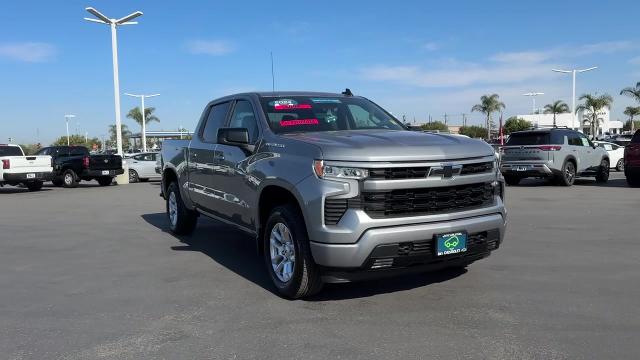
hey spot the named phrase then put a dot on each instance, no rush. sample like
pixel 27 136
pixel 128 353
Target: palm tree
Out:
pixel 136 115
pixel 631 111
pixel 634 93
pixel 557 107
pixel 488 105
pixel 592 105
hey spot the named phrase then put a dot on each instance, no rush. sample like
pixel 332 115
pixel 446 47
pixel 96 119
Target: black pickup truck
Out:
pixel 71 164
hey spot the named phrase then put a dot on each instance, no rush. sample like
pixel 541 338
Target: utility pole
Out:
pixel 445 118
pixel 144 121
pixel 464 120
pixel 66 119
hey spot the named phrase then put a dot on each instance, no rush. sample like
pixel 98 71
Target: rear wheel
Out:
pixel 182 221
pixel 512 180
pixel 69 179
pixel 34 185
pixel 568 175
pixel 105 180
pixel 620 165
pixel 288 255
pixel 133 176
pixel 603 172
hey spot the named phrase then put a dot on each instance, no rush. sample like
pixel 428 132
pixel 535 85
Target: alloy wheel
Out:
pixel 283 253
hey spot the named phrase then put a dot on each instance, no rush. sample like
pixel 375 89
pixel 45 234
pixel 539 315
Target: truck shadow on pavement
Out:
pixel 16 190
pixel 236 251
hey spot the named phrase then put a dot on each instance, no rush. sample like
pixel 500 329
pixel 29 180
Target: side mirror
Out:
pixel 235 137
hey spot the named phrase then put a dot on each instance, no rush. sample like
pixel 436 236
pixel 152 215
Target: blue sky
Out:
pixel 415 58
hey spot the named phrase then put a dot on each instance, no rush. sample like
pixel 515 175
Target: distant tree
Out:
pixel 435 125
pixel 488 105
pixel 556 107
pixel 149 116
pixel 77 140
pixel 473 131
pixel 514 124
pixel 30 149
pixel 126 135
pixel 591 107
pixel 634 93
pixel 631 111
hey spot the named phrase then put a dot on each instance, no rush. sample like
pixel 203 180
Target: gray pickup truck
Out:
pixel 334 189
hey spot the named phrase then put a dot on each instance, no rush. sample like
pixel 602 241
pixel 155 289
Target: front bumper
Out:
pixel 384 242
pixel 26 177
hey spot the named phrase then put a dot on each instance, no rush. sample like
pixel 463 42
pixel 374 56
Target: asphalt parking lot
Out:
pixel 92 273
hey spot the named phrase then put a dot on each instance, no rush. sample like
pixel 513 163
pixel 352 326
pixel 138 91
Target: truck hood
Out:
pixel 393 145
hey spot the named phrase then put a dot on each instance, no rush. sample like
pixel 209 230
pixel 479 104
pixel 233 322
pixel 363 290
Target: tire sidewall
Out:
pixel 74 177
pixel 564 170
pixel 173 188
pixel 133 175
pixel 283 215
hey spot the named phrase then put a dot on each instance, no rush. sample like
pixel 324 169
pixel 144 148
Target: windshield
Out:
pixel 10 151
pixel 289 114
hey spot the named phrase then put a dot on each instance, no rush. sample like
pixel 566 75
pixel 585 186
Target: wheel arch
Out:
pixel 273 195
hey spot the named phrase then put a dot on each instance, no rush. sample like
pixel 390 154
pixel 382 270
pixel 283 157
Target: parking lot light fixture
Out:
pixel 573 93
pixel 66 119
pixel 113 24
pixel 144 130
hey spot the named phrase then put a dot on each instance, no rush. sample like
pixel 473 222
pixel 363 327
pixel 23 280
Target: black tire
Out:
pixel 305 279
pixel 632 180
pixel 57 181
pixel 133 176
pixel 512 180
pixel 185 220
pixel 34 185
pixel 568 175
pixel 620 165
pixel 105 180
pixel 69 179
pixel 603 173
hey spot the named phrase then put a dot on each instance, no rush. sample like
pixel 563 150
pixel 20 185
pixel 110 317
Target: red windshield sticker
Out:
pixel 299 122
pixel 291 106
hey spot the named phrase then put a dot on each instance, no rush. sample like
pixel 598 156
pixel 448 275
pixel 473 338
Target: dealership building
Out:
pixel 568 120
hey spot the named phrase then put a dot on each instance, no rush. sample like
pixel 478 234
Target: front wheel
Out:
pixel 105 180
pixel 34 185
pixel 603 172
pixel 133 176
pixel 288 255
pixel 182 221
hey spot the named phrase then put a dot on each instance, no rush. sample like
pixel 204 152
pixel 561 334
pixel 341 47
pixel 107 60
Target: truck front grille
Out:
pixel 469 169
pixel 423 201
pixel 396 173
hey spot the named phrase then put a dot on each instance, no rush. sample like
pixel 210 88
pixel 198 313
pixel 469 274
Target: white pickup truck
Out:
pixel 16 168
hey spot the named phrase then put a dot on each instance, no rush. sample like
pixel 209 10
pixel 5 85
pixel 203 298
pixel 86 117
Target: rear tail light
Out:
pixel 550 147
pixel 85 161
pixel 6 164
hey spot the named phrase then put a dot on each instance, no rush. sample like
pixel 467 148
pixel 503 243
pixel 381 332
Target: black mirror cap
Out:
pixel 233 136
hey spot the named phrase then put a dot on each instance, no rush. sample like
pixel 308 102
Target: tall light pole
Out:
pixel 144 128
pixel 573 92
pixel 66 119
pixel 113 23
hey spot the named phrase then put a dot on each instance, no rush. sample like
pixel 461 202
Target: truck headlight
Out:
pixel 324 171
